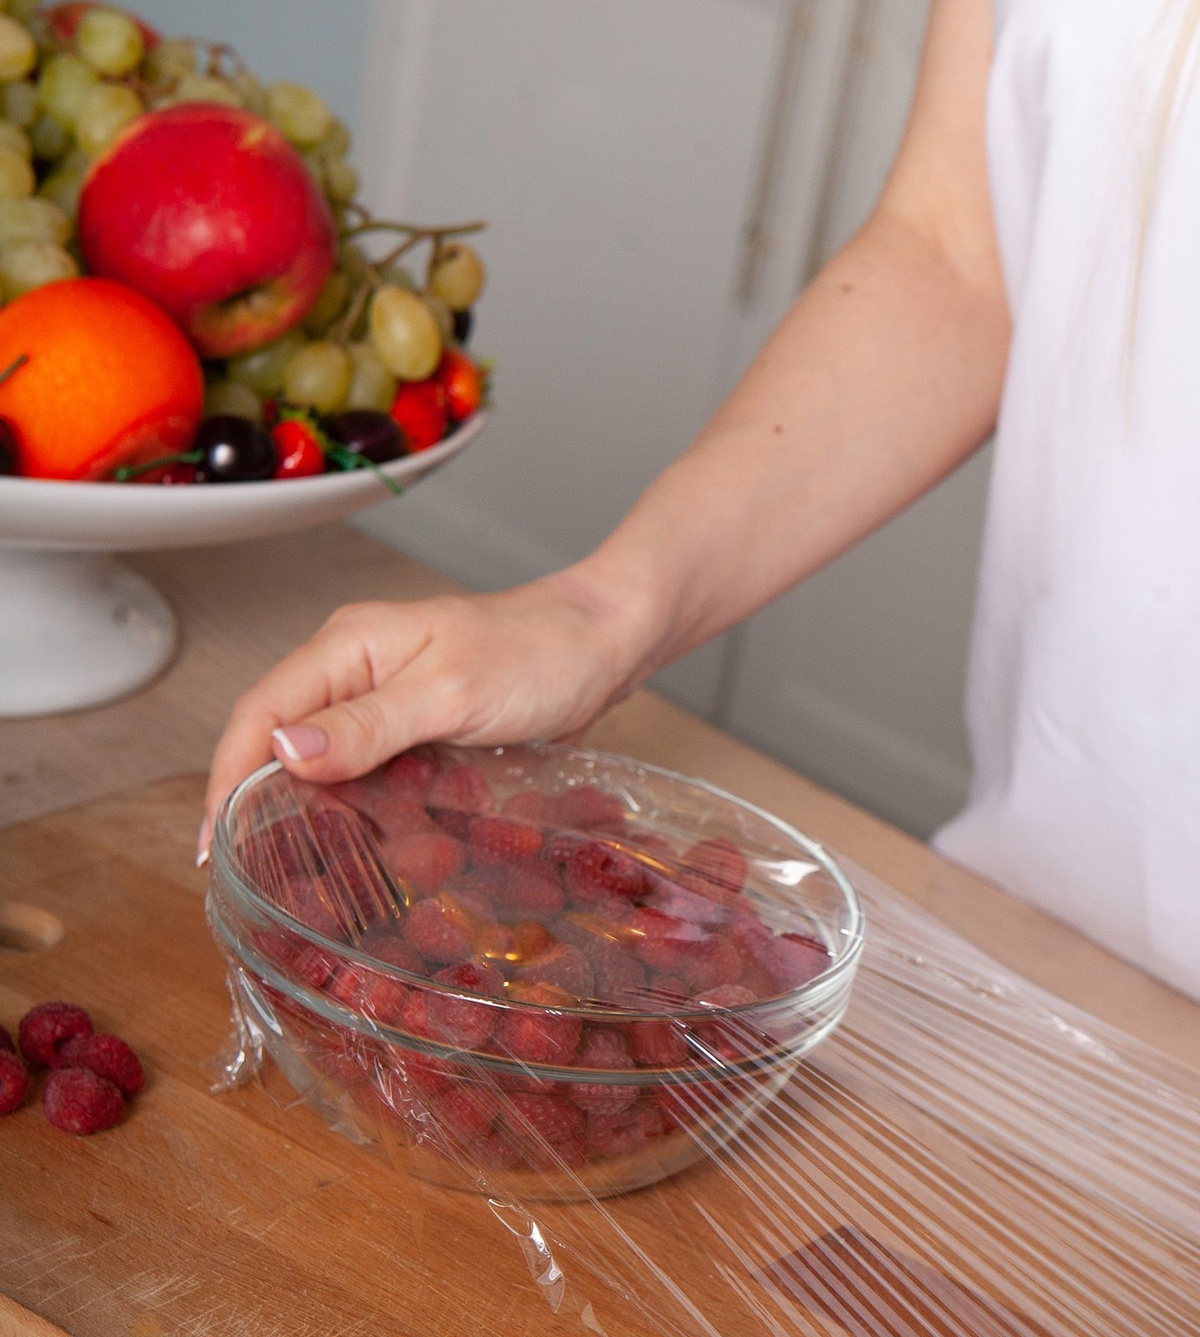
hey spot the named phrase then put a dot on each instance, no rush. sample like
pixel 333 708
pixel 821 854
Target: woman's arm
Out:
pixel 885 375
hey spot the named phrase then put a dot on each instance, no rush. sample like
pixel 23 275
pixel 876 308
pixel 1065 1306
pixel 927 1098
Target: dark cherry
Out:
pixel 463 320
pixel 366 432
pixel 8 447
pixel 233 450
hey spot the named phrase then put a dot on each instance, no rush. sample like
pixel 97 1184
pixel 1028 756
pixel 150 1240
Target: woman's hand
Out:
pixel 539 661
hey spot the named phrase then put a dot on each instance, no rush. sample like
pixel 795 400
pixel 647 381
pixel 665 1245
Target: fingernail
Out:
pixel 202 845
pixel 301 742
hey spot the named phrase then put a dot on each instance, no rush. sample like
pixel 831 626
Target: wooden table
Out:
pixel 242 607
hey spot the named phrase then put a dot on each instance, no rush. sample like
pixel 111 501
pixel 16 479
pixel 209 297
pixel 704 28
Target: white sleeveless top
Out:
pixel 1084 695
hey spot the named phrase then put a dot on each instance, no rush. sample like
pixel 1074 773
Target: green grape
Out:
pixel 106 111
pixel 18 50
pixel 341 180
pixel 63 188
pixel 206 88
pixel 23 10
pixel 372 386
pixel 33 220
pixel 50 140
pixel 32 264
pixel 262 369
pixel 299 113
pixel 318 377
pixel 17 180
pixel 251 91
pixel 233 398
pixel 457 276
pixel 442 314
pixel 399 274
pixel 110 42
pixel 337 143
pixel 171 59
pixel 330 303
pixel 405 334
pixel 13 137
pixel 21 105
pixel 63 87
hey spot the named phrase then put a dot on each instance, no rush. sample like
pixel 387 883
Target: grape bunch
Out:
pixel 383 337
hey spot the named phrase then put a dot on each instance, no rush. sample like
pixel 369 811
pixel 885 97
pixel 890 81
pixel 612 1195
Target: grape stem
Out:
pixel 127 472
pixel 416 233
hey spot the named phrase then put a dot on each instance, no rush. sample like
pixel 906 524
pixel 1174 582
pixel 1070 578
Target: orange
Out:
pixel 108 379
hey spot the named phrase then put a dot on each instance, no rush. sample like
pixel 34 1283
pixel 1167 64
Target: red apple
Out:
pixel 212 214
pixel 63 22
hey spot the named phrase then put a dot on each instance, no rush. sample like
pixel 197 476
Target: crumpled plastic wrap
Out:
pixel 954 1153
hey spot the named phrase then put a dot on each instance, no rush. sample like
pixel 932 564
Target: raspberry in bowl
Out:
pixel 546 971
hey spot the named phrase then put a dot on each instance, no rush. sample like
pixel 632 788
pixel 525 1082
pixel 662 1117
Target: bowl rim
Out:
pixel 827 983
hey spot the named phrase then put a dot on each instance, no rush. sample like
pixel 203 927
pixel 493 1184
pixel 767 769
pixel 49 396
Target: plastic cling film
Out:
pixel 676 1075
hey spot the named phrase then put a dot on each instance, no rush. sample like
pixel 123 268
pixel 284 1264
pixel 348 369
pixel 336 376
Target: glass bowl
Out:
pixel 538 969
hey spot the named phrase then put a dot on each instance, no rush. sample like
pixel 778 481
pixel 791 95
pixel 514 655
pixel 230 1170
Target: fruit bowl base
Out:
pixel 77 629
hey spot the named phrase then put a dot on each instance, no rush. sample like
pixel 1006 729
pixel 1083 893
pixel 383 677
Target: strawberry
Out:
pixel 419 410
pixel 537 1118
pixel 718 861
pixel 461 384
pixel 606 1049
pixel 297 448
pixel 467 1111
pixel 658 1044
pixel 622 1132
pixel 791 959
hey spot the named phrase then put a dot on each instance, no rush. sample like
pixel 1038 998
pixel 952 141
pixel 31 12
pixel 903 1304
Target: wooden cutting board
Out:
pixel 242 1214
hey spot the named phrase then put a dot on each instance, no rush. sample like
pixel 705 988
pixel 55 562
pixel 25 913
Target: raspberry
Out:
pixel 459 1021
pixel 14 1081
pixel 500 840
pixel 606 1049
pixel 461 789
pixel 618 976
pixel 46 1026
pixel 498 1152
pixel 531 889
pixel 658 1044
pixel 437 934
pixel 6 1041
pixel 467 1111
pixel 369 993
pixel 312 903
pixel 791 959
pixel 385 944
pixel 107 1056
pixel 77 1100
pixel 408 776
pixel 542 1118
pixel 282 850
pixel 452 822
pixel 530 806
pixel 702 960
pixel 405 817
pixel 426 860
pixel 424 1075
pixel 726 995
pixel 537 1036
pixel 596 872
pixel 718 861
pixel 557 1157
pixel 564 967
pixel 624 1132
pixel 587 808
pixel 692 904
pixel 529 938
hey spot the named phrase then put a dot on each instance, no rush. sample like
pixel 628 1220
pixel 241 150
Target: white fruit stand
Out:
pixel 78 627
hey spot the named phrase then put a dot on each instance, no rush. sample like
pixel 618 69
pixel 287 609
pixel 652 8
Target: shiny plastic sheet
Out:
pixel 959 1154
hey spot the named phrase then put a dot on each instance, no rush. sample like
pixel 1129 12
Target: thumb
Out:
pixel 351 738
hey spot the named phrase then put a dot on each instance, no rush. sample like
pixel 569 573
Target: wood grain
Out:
pixel 17 1321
